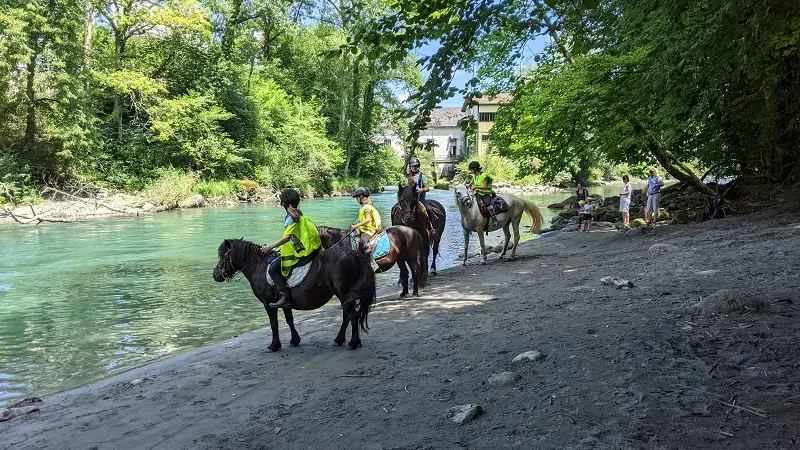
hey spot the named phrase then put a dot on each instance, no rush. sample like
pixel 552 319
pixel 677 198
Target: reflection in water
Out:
pixel 84 301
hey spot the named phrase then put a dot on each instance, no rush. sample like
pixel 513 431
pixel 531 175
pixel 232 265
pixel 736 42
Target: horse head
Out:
pixel 463 198
pixel 234 255
pixel 408 200
pixel 224 270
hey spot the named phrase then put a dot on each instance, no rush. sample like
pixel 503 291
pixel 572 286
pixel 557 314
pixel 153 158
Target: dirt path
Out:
pixel 625 368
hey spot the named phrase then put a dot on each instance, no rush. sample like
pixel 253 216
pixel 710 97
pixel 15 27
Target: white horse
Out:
pixel 472 220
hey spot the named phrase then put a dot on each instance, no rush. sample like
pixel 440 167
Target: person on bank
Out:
pixel 654 185
pixel 299 245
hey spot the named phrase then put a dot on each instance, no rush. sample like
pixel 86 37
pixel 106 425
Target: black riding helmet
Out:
pixel 290 197
pixel 413 162
pixel 362 191
pixel 474 165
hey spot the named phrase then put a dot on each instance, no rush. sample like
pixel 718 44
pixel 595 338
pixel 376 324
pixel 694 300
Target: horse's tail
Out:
pixel 365 290
pixel 536 215
pixel 421 260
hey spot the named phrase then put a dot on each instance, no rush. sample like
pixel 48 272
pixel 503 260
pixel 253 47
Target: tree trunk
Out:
pixel 87 40
pixel 355 94
pixel 229 35
pixel 554 34
pixel 119 49
pixel 30 94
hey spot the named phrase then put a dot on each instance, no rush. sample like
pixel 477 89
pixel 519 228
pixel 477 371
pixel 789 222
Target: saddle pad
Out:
pixel 381 246
pixel 297 276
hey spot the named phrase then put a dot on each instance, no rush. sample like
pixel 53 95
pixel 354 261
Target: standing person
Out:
pixel 586 214
pixel 582 194
pixel 625 201
pixel 369 219
pixel 299 244
pixel 654 184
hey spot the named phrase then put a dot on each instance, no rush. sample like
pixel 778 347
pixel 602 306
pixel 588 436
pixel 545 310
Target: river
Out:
pixel 81 302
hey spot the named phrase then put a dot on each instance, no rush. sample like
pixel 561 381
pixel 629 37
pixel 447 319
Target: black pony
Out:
pixel 406 246
pixel 335 271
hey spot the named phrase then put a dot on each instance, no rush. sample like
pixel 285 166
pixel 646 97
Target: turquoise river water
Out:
pixel 84 301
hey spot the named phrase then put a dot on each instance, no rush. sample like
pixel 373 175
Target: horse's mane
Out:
pixel 249 250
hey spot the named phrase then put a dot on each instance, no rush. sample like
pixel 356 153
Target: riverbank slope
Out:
pixel 644 367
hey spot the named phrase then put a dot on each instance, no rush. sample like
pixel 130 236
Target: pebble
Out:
pixel 462 414
pixel 10 413
pixel 533 355
pixel 137 382
pixel 619 283
pixel 504 378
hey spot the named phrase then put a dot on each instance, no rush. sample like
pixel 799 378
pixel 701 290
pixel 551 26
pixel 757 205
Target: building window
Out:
pixel 453 146
pixel 387 142
pixel 486 117
pixel 485 138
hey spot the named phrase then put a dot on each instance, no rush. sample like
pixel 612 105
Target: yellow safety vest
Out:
pixel 375 224
pixel 478 182
pixel 305 240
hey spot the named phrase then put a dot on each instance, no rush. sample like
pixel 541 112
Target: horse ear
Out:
pixel 228 244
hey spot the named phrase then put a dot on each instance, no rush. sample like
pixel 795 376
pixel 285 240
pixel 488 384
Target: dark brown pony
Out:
pixel 335 271
pixel 405 247
pixel 408 211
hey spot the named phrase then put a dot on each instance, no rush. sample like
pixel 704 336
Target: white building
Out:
pixel 483 112
pixel 443 134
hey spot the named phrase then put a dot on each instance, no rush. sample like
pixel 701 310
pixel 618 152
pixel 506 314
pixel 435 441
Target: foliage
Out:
pixel 170 187
pixel 115 93
pixel 683 84
pixel 217 189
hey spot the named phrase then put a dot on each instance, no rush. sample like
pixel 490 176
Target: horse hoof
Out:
pixel 483 263
pixel 463 263
pixel 433 273
pixel 415 294
pixel 338 342
pixel 294 343
pixel 273 347
pixel 352 346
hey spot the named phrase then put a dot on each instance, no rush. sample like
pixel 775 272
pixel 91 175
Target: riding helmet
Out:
pixel 413 162
pixel 290 197
pixel 361 192
pixel 474 165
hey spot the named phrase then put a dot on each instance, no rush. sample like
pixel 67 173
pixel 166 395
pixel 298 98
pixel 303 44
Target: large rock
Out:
pixel 532 355
pixel 727 301
pixel 10 413
pixel 504 379
pixel 462 414
pixel 619 283
pixel 192 201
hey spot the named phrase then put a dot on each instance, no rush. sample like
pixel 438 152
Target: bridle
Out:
pixel 224 262
pixel 464 200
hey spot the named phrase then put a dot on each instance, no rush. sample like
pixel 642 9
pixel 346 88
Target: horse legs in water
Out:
pixel 287 314
pixel 273 324
pixel 340 337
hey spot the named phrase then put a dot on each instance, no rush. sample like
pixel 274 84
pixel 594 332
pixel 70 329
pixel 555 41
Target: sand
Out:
pixel 642 367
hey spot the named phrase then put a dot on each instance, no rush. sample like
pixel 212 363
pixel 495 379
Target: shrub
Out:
pixel 212 189
pixel 499 167
pixel 170 187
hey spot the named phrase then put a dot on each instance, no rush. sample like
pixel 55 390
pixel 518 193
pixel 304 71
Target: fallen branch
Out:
pixel 97 204
pixel 722 400
pixel 38 218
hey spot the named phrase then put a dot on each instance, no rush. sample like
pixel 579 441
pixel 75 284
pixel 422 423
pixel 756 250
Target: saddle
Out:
pixel 498 206
pixel 378 246
pixel 297 275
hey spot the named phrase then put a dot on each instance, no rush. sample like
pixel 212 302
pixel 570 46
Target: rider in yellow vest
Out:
pixel 299 245
pixel 482 185
pixel 369 219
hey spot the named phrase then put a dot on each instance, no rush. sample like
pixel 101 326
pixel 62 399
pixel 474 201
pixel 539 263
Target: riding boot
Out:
pixel 283 301
pixel 281 286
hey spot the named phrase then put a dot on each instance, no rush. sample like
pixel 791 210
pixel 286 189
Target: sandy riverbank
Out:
pixel 625 368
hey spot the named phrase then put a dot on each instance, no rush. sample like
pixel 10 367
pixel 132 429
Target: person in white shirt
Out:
pixel 586 214
pixel 625 201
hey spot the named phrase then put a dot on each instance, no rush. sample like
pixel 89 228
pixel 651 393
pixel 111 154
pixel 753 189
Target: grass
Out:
pixel 216 189
pixel 170 187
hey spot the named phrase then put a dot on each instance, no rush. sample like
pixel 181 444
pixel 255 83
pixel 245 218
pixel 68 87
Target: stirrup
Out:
pixel 282 302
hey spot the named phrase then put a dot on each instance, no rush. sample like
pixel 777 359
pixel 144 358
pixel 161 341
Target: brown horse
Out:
pixel 408 211
pixel 335 271
pixel 405 247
